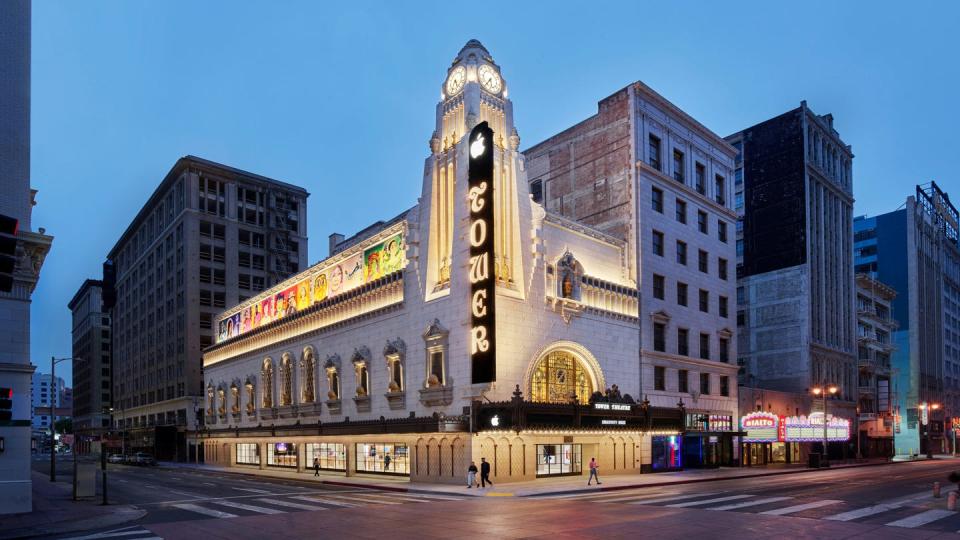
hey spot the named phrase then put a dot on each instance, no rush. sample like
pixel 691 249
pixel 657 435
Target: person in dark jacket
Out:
pixel 316 466
pixel 471 475
pixel 485 472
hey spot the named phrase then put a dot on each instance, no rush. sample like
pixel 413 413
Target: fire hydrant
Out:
pixel 952 500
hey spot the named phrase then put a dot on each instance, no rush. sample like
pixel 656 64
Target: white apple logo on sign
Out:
pixel 477 148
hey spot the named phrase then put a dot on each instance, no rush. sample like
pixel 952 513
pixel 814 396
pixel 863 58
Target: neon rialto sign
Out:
pixel 483 281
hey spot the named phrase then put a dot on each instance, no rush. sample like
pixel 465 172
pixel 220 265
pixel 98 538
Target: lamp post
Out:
pixel 53 417
pixel 822 391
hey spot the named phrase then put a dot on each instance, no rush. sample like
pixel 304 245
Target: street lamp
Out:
pixel 928 407
pixel 821 392
pixel 53 417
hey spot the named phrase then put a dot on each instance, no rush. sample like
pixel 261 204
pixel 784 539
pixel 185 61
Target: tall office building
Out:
pixel 795 284
pixel 915 250
pixel 45 393
pixel 91 360
pixel 875 327
pixel 210 236
pixel 647 173
pixel 16 201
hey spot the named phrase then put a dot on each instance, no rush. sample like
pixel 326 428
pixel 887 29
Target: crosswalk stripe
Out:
pixel 205 511
pixel 921 519
pixel 863 512
pixel 251 490
pixel 112 534
pixel 675 498
pixel 755 502
pixel 291 504
pixel 613 498
pixel 249 507
pixel 377 499
pixel 324 501
pixel 799 508
pixel 708 501
pixel 435 497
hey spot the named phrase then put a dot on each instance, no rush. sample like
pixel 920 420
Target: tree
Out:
pixel 64 425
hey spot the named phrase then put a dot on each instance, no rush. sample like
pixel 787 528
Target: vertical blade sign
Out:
pixel 483 279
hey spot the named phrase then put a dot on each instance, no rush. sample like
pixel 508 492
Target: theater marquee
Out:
pixel 483 281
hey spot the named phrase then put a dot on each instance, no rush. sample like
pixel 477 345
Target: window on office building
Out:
pixel 656 198
pixel 722 268
pixel 658 243
pixel 704 301
pixel 722 307
pixel 705 384
pixel 705 346
pixel 702 221
pixel 724 350
pixel 681 212
pixel 681 252
pixel 720 189
pixel 701 178
pixel 536 190
pixel 722 231
pixel 658 286
pixel 683 342
pixel 659 337
pixel 724 385
pixel 678 166
pixel 683 380
pixel 659 378
pixel 682 293
pixel 703 261
pixel 653 151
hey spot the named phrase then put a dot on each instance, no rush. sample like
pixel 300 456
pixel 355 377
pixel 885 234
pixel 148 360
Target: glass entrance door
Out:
pixel 558 459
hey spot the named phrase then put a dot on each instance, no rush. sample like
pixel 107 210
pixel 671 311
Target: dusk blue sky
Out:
pixel 341 100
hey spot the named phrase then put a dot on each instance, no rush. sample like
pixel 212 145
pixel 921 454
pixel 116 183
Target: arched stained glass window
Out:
pixel 558 377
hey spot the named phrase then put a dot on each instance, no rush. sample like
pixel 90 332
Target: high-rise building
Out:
pixel 16 201
pixel 915 250
pixel 875 327
pixel 209 237
pixel 647 173
pixel 795 285
pixel 44 395
pixel 91 360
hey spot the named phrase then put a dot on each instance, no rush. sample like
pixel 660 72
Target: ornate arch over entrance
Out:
pixel 562 368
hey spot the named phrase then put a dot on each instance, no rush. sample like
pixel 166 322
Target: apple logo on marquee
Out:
pixel 477 148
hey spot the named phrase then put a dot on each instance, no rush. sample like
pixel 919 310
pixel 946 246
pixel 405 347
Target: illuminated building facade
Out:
pixel 476 324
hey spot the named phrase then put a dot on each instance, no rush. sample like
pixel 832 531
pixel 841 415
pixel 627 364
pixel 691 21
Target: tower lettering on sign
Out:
pixel 483 282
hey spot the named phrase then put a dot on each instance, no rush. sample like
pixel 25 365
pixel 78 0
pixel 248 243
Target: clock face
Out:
pixel 456 80
pixel 489 79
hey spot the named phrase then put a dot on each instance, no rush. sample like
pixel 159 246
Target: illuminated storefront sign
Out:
pixel 483 350
pixel 810 428
pixel 760 427
pixel 328 281
pixel 612 406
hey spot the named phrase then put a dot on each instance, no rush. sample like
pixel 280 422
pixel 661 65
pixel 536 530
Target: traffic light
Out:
pixel 8 251
pixel 6 404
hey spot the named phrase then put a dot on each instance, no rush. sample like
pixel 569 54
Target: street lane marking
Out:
pixel 613 497
pixel 755 502
pixel 251 490
pixel 106 534
pixel 208 483
pixel 249 507
pixel 864 512
pixel 205 511
pixel 324 501
pixel 921 519
pixel 675 498
pixel 369 498
pixel 799 508
pixel 708 501
pixel 185 494
pixel 291 504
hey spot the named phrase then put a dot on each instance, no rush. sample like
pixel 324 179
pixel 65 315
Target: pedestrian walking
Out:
pixel 316 466
pixel 594 469
pixel 484 472
pixel 471 475
pixel 386 462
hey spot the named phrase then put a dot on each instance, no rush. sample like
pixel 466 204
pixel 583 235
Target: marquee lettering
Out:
pixel 479 306
pixel 483 353
pixel 479 268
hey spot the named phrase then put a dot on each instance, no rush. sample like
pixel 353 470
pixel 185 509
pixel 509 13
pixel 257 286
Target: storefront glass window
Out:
pixel 558 459
pixel 383 458
pixel 332 456
pixel 666 452
pixel 248 453
pixel 282 454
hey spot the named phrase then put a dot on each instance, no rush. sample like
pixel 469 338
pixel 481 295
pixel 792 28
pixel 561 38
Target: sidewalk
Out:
pixel 539 487
pixel 55 512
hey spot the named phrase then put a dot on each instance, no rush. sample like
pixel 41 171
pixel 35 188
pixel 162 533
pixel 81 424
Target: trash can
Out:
pixel 814 460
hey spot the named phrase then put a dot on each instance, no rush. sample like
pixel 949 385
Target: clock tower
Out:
pixel 473 92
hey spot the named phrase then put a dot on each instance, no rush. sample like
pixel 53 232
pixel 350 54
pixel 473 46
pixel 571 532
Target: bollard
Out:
pixel 952 500
pixel 936 490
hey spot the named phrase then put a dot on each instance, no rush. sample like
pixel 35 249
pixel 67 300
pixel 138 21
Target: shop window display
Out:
pixel 383 458
pixel 282 454
pixel 667 452
pixel 248 453
pixel 558 459
pixel 332 456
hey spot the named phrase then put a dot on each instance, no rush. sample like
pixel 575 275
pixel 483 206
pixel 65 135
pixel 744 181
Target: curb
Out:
pixel 717 479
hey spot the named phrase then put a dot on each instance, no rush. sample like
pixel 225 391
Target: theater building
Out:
pixel 475 324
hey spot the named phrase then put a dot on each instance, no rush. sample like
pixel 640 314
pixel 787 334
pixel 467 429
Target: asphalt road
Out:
pixel 896 500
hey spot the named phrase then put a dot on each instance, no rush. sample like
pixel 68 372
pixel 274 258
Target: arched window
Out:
pixel 361 368
pixel 394 353
pixel 251 396
pixel 211 403
pixel 267 376
pixel 221 400
pixel 560 377
pixel 235 398
pixel 332 369
pixel 286 380
pixel 309 363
